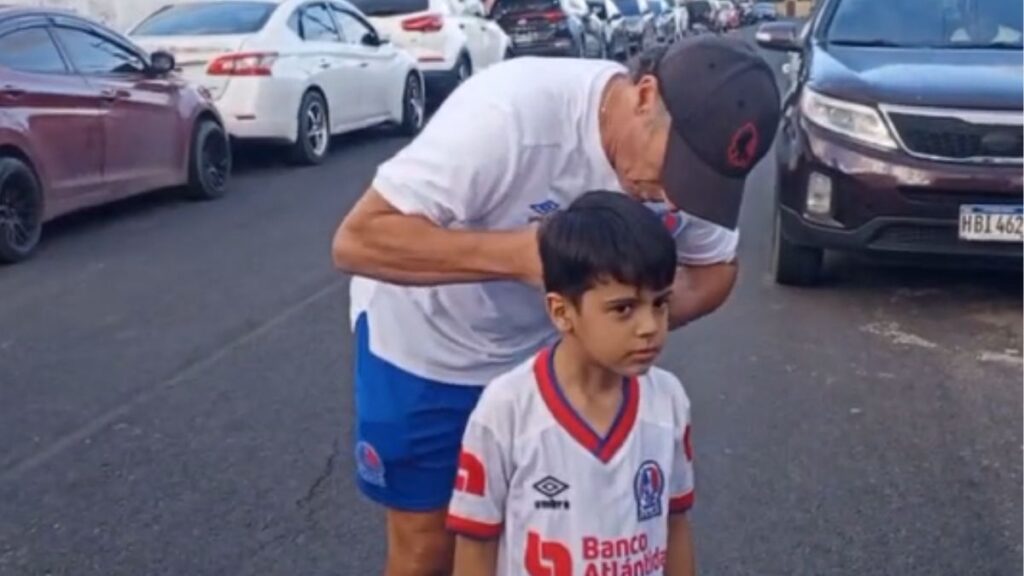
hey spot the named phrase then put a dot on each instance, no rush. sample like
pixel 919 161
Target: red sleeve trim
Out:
pixel 473 528
pixel 681 503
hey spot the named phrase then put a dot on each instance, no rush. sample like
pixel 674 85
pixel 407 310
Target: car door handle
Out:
pixel 111 94
pixel 11 92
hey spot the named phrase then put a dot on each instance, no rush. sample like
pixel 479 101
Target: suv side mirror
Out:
pixel 161 63
pixel 779 36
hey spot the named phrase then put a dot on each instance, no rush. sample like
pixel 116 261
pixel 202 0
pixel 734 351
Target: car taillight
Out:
pixel 248 64
pixel 425 23
pixel 554 16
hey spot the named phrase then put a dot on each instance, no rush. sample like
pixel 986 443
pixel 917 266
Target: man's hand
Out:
pixel 699 291
pixel 377 241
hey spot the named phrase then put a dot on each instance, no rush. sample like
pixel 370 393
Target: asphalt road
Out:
pixel 175 399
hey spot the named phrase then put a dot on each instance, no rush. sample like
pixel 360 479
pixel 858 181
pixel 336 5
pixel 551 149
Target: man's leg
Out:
pixel 419 544
pixel 408 433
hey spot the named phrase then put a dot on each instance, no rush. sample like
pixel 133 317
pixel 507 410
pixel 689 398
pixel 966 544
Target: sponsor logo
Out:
pixel 546 557
pixel 648 487
pixel 369 466
pixel 472 476
pixel 629 556
pixel 550 487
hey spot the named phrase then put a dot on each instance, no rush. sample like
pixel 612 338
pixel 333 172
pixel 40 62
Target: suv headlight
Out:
pixel 856 121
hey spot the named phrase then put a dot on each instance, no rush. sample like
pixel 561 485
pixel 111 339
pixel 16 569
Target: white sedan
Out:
pixel 451 39
pixel 290 71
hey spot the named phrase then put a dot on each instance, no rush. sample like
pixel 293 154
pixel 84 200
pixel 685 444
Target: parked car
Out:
pixel 294 72
pixel 547 27
pixel 764 11
pixel 638 21
pixel 87 117
pixel 663 17
pixel 702 15
pixel 451 39
pixel 615 36
pixel 902 134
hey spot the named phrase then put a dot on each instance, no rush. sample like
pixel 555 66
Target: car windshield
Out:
pixel 391 7
pixel 628 7
pixel 927 23
pixel 207 19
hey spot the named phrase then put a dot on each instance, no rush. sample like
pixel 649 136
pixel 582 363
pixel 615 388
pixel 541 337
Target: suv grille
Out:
pixel 954 138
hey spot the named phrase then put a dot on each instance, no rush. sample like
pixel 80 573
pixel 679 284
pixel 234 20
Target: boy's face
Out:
pixel 622 327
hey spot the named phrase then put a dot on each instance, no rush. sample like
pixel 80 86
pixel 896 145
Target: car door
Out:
pixel 331 64
pixel 468 15
pixel 376 64
pixel 58 110
pixel 142 143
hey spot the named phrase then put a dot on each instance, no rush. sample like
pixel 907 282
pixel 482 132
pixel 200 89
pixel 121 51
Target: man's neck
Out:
pixel 610 101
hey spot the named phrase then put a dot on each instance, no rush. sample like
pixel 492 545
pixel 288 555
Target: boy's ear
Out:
pixel 558 311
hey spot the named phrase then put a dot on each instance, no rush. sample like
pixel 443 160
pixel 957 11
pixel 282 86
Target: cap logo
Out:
pixel 743 146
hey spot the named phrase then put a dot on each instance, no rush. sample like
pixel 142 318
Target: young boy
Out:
pixel 578 462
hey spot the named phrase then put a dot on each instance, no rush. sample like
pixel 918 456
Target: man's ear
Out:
pixel 559 312
pixel 648 95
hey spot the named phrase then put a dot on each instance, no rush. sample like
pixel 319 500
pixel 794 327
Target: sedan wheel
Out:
pixel 21 210
pixel 314 130
pixel 413 106
pixel 210 164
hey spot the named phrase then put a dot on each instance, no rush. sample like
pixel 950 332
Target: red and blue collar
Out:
pixel 604 448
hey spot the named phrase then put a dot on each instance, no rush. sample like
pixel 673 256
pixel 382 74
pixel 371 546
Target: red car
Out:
pixel 87 117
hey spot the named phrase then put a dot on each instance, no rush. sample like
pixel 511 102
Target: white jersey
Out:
pixel 517 142
pixel 562 500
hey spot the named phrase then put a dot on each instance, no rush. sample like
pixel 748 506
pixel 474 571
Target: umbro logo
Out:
pixel 551 487
pixel 542 210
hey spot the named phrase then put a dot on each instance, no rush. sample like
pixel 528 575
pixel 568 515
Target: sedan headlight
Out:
pixel 856 121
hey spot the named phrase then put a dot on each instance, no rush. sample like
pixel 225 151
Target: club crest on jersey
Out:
pixel 648 487
pixel 369 466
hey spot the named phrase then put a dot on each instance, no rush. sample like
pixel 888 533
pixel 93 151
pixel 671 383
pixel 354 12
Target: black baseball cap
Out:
pixel 724 105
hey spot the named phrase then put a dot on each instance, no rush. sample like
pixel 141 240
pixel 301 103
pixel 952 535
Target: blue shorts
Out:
pixel 408 431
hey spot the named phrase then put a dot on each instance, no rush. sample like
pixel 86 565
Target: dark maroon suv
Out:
pixel 901 132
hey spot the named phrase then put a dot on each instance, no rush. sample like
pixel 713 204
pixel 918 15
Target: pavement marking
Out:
pixel 1009 358
pixel 892 332
pixel 103 420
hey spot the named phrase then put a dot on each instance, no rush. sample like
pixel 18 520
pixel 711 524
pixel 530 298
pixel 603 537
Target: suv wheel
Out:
pixel 792 264
pixel 21 210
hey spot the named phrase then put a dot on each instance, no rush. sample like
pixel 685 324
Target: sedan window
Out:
pixel 31 50
pixel 316 25
pixel 93 54
pixel 351 27
pixel 204 19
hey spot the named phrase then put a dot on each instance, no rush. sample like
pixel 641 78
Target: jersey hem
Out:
pixel 681 503
pixel 473 528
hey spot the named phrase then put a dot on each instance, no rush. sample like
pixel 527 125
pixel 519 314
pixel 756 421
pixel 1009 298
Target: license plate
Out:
pixel 525 38
pixel 980 223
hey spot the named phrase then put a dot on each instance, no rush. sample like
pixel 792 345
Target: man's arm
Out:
pixel 699 291
pixel 475 557
pixel 378 241
pixel 680 561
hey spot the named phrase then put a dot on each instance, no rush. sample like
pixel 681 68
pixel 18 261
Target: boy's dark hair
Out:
pixel 605 235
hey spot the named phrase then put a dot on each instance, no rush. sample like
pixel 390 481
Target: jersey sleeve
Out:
pixel 477 507
pixel 457 169
pixel 701 243
pixel 681 481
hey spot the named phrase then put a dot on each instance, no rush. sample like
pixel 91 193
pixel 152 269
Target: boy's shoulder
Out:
pixel 664 388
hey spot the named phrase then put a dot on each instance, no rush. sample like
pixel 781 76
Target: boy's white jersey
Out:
pixel 564 500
